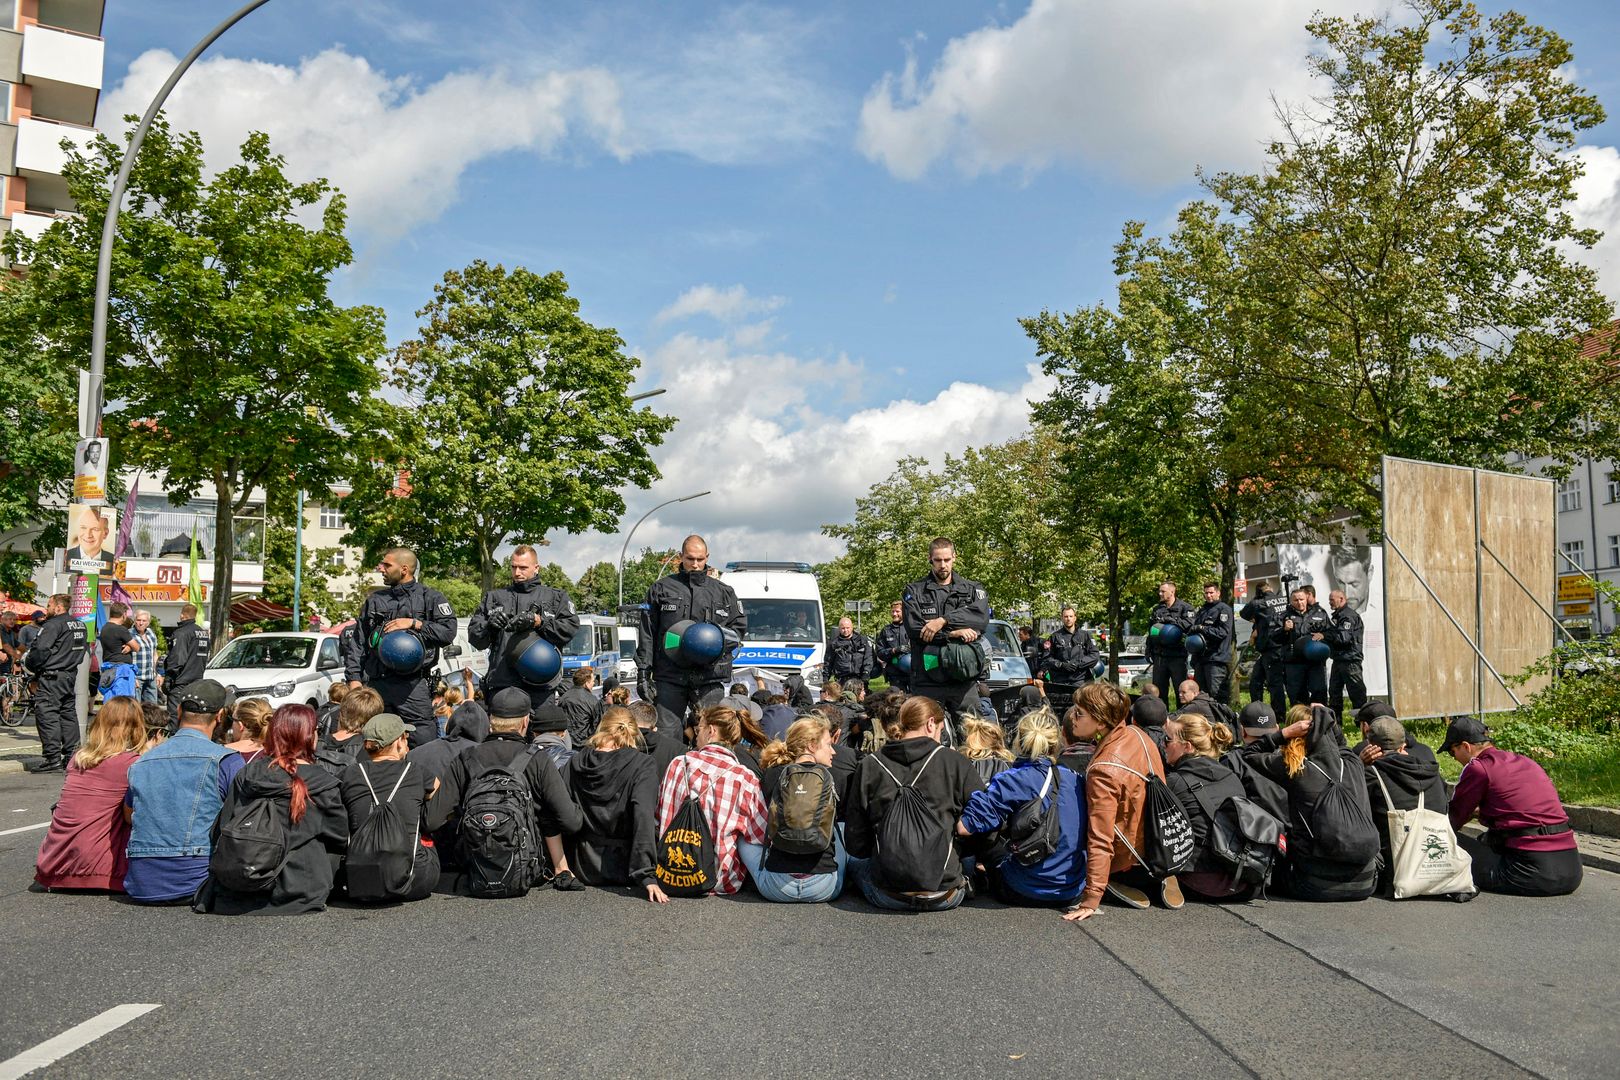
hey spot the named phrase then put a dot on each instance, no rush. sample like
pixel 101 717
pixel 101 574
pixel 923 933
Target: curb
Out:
pixel 1592 859
pixel 1597 820
pixel 9 766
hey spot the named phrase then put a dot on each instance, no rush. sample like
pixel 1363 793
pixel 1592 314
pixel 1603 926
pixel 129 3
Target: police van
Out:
pixel 594 645
pixel 786 630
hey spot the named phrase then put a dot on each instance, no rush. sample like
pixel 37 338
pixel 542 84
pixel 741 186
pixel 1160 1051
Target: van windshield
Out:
pixel 782 620
pixel 1000 640
pixel 265 652
pixel 581 644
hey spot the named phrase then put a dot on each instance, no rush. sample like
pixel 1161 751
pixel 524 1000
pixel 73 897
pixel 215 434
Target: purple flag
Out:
pixel 127 526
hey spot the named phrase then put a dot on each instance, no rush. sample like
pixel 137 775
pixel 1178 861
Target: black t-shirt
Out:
pixel 782 862
pixel 384 775
pixel 113 638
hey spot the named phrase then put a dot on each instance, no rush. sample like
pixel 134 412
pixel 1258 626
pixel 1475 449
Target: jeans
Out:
pixel 878 898
pixel 788 889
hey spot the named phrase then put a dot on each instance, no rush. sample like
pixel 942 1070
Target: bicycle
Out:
pixel 17 689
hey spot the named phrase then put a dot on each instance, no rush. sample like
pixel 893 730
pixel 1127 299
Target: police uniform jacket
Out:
pixel 891 643
pixel 522 600
pixel 187 656
pixel 700 597
pixel 1179 614
pixel 407 600
pixel 1344 633
pixel 1313 620
pixel 850 657
pixel 1214 621
pixel 962 603
pixel 1265 613
pixel 1071 656
pixel 59 647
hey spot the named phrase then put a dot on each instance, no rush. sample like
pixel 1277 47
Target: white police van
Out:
pixel 786 630
pixel 594 645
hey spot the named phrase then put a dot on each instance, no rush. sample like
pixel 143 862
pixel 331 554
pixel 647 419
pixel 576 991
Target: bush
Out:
pixel 1584 695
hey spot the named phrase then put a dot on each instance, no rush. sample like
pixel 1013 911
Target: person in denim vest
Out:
pixel 175 792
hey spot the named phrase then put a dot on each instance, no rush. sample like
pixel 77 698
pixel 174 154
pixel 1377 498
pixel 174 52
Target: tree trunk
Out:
pixel 486 560
pixel 1228 576
pixel 219 600
pixel 1115 628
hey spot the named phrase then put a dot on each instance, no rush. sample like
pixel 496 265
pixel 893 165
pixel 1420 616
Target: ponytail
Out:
pixel 289 743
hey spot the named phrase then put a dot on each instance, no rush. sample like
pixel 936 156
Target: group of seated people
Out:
pixel 244 809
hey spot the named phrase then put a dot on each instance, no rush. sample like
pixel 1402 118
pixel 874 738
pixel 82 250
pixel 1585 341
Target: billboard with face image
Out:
pixel 1357 572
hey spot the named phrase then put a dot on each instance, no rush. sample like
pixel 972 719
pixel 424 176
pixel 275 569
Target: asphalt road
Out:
pixel 604 984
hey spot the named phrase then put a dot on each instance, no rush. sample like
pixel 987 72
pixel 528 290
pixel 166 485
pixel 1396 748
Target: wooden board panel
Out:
pixel 1517 524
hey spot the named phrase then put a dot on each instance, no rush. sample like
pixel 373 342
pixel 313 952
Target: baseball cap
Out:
pixel 383 729
pixel 1387 733
pixel 1463 729
pixel 1258 715
pixel 509 703
pixel 204 696
pixel 548 719
pixel 1373 710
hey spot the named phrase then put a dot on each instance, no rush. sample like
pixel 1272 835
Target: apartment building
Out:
pixel 324 526
pixel 51 56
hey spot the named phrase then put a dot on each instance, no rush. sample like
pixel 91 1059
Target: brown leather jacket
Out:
pixel 1115 799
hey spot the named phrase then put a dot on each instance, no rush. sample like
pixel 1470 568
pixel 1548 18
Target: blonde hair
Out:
pixel 616 730
pixel 1105 703
pixel 1293 751
pixel 619 695
pixel 1039 735
pixel 448 701
pixel 253 715
pixel 725 722
pixel 359 706
pixel 120 725
pixel 981 739
pixel 802 736
pixel 1206 739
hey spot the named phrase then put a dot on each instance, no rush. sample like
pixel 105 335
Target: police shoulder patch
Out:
pixel 446 609
pixel 978 594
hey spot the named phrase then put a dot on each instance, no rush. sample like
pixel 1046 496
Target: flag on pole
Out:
pixel 127 526
pixel 194 589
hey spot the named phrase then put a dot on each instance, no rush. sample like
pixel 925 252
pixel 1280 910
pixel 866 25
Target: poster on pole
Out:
pixel 1358 572
pixel 90 471
pixel 82 603
pixel 90 529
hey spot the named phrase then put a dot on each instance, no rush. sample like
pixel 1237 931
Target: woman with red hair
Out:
pixel 306 801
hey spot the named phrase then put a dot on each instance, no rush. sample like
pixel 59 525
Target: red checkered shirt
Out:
pixel 732 804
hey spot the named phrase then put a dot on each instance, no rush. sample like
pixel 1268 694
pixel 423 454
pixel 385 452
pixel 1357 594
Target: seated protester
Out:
pixel 616 788
pixel 444 706
pixel 157 724
pixel 1201 782
pixel 176 790
pixel 550 727
pixel 845 761
pixel 753 741
pixel 578 704
pixel 317 826
pixel 776 717
pixel 1257 721
pixel 326 716
pixel 556 812
pixel 892 876
pixel 1405 775
pixel 1528 848
pixel 1030 697
pixel 387 776
pixel 1077 752
pixel 85 845
pixel 661 748
pixel 798 694
pixel 983 745
pixel 250 719
pixel 1149 713
pixel 727 790
pixel 467 726
pixel 739 698
pixel 1058 878
pixel 856 724
pixel 987 708
pixel 1332 838
pixel 1373 710
pixel 343 747
pixel 1116 802
pixel 884 710
pixel 798 772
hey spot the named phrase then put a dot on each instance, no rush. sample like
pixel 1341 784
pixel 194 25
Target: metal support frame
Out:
pixel 1559 626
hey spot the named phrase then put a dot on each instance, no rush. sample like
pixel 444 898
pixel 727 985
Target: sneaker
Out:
pixel 1170 893
pixel 567 882
pixel 1128 895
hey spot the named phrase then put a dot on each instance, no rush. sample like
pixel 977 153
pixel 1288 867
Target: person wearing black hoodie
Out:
pixel 467 726
pixel 1149 713
pixel 1199 779
pixel 1405 775
pixel 654 743
pixel 1309 758
pixel 617 791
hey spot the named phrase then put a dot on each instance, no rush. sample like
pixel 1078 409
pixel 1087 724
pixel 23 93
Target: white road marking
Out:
pixel 80 1035
pixel 23 828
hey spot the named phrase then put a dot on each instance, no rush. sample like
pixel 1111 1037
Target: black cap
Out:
pixel 1469 729
pixel 548 720
pixel 509 703
pixel 1257 715
pixel 1373 710
pixel 1149 711
pixel 205 696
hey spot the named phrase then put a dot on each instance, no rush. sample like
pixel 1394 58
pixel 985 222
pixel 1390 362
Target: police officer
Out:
pixel 1343 636
pixel 1264 614
pixel 509 620
pixel 941 609
pixel 893 643
pixel 689 593
pixel 1213 668
pixel 186 659
pixel 1033 648
pixel 404 604
pixel 1303 622
pixel 849 654
pixel 55 660
pixel 1169 660
pixel 1071 657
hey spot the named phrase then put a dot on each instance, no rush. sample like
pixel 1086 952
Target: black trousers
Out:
pixel 1523 873
pixel 1168 673
pixel 896 678
pixel 1276 674
pixel 1306 682
pixel 1214 678
pixel 674 699
pixel 1346 677
pixel 959 699
pixel 412 699
pixel 56 713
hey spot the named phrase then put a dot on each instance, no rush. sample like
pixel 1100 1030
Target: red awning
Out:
pixel 258 610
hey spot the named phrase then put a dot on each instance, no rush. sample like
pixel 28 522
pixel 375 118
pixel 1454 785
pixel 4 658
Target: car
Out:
pixel 1009 671
pixel 286 669
pixel 1133 671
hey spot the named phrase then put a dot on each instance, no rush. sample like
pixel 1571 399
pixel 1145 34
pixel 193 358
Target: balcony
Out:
pixel 39 150
pixel 64 68
pixel 166 534
pixel 33 224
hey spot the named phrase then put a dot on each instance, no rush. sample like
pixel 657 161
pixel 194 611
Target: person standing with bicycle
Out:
pixel 11 653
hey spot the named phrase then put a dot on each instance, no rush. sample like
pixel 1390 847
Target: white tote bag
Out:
pixel 1423 848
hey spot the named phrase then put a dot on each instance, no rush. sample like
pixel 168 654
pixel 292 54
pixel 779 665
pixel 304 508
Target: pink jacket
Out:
pixel 84 848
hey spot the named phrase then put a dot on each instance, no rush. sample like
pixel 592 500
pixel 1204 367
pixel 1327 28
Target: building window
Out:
pixel 1614 487
pixel 335 561
pixel 1569 494
pixel 1614 550
pixel 331 517
pixel 1575 551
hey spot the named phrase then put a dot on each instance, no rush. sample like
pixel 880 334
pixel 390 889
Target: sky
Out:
pixel 816 225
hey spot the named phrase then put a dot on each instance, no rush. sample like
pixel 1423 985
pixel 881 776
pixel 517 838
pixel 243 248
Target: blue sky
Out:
pixel 816 224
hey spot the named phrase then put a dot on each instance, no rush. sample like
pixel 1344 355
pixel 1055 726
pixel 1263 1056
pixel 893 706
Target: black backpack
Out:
pixel 913 843
pixel 336 757
pixel 1167 836
pixel 498 835
pixel 382 852
pixel 1340 825
pixel 686 864
pixel 1034 830
pixel 804 813
pixel 1244 839
pixel 252 845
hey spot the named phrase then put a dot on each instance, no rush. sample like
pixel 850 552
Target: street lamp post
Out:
pixel 637 525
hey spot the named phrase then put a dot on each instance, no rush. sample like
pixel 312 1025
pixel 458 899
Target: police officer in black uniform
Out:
pixel 405 604
pixel 893 643
pixel 185 660
pixel 1033 648
pixel 941 608
pixel 1264 615
pixel 1303 622
pixel 55 660
pixel 1071 659
pixel 1169 661
pixel 849 654
pixel 690 593
pixel 508 621
pixel 1213 668
pixel 1343 636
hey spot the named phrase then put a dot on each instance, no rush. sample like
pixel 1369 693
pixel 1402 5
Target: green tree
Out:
pixel 522 422
pixel 280 549
pixel 598 588
pixel 886 545
pixel 463 596
pixel 555 576
pixel 642 571
pixel 228 364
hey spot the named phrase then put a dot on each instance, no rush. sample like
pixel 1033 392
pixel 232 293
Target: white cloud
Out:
pixel 726 305
pixel 1144 90
pixel 774 438
pixel 1597 206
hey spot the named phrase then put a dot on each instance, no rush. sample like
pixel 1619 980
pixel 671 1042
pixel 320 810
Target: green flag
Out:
pixel 194 589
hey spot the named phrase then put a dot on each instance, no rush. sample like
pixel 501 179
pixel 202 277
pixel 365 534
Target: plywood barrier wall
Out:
pixel 1429 514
